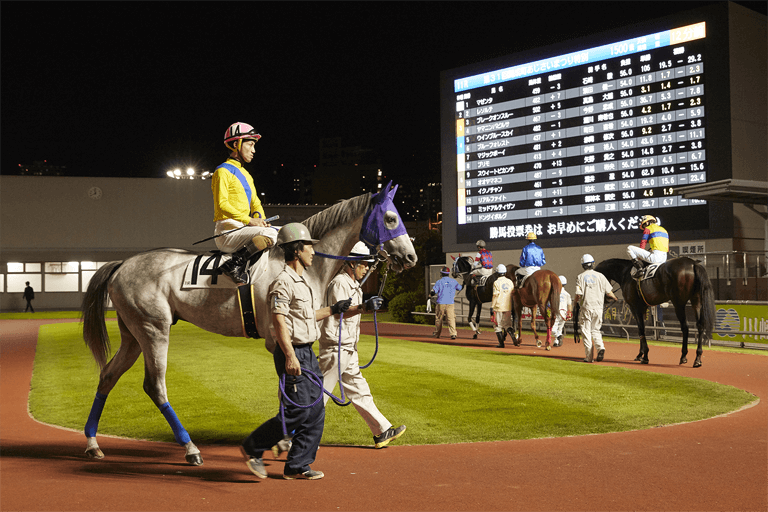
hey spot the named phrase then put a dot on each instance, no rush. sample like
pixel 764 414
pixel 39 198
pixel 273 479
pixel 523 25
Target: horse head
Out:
pixel 383 231
pixel 462 266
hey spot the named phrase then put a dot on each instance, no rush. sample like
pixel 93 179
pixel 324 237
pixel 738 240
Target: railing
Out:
pixel 735 264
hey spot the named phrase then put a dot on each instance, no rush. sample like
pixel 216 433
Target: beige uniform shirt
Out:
pixel 502 294
pixel 342 287
pixel 290 295
pixel 592 286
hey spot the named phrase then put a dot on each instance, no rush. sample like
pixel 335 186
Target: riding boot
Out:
pixel 500 336
pixel 237 267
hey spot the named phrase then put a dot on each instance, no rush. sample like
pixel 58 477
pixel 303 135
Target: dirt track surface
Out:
pixel 716 464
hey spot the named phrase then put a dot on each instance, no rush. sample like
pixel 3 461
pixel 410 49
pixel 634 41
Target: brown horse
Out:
pixel 679 280
pixel 541 289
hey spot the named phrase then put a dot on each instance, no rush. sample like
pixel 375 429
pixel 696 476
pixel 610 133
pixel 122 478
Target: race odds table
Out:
pixel 583 141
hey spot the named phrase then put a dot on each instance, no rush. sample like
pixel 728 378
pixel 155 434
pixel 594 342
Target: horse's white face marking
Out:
pixel 400 253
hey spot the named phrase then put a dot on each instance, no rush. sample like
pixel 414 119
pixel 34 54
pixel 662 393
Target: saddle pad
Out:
pixel 481 279
pixel 203 271
pixel 650 270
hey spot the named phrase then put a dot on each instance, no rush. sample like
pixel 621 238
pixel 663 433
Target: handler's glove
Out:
pixel 341 307
pixel 374 303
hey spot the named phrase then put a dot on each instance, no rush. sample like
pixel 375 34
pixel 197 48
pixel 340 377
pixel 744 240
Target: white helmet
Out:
pixel 360 249
pixel 563 280
pixel 501 269
pixel 587 258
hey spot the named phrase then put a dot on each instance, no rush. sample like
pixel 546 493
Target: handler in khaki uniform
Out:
pixel 501 306
pixel 591 289
pixel 343 286
pixel 294 319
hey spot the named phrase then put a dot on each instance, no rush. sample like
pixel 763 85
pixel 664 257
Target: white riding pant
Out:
pixel 526 271
pixel 649 256
pixel 557 327
pixel 590 322
pixel 356 387
pixel 234 241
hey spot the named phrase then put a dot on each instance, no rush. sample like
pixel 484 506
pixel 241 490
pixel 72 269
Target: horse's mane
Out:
pixel 339 214
pixel 616 267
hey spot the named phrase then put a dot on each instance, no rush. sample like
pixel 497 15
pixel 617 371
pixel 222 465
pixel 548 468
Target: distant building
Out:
pixel 345 171
pixel 41 168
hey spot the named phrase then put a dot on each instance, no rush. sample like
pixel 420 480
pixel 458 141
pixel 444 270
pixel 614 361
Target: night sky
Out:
pixel 137 88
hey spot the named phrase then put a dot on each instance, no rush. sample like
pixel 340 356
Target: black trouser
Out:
pixel 29 306
pixel 307 424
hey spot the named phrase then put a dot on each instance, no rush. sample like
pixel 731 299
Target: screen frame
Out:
pixel 719 150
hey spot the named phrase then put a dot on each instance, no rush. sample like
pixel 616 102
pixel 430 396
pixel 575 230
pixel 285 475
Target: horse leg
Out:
pixel 700 338
pixel 680 312
pixel 534 312
pixel 517 311
pixel 123 360
pixel 474 326
pixel 640 317
pixel 550 320
pixel 155 365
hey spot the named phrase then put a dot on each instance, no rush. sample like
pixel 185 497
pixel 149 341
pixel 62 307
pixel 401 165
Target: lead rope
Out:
pixel 342 402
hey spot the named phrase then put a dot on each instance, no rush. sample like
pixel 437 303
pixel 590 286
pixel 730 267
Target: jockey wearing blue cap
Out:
pixel 531 259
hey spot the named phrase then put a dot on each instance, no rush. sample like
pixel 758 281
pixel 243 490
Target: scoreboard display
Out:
pixel 582 143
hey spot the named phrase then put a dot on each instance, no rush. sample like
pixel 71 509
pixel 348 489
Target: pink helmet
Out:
pixel 239 131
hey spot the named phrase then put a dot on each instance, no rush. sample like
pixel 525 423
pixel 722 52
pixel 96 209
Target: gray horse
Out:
pixel 147 294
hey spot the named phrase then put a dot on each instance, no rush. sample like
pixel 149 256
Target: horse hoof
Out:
pixel 538 343
pixel 474 337
pixel 683 360
pixel 696 364
pixel 644 361
pixel 94 453
pixel 549 347
pixel 638 358
pixel 195 459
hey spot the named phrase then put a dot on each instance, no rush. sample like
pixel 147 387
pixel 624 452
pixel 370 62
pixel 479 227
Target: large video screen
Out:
pixel 577 145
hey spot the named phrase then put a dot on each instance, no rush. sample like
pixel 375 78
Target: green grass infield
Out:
pixel 222 388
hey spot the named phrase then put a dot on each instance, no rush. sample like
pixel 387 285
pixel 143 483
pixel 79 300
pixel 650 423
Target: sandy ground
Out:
pixel 716 464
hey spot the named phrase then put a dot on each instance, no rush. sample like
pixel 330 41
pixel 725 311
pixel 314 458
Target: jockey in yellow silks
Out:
pixel 236 205
pixel 655 238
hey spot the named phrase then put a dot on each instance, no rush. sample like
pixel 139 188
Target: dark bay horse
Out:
pixel 147 293
pixel 679 280
pixel 542 287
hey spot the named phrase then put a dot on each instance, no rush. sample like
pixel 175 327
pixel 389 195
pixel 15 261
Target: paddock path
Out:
pixel 716 464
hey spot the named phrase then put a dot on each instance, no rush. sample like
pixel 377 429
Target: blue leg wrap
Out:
pixel 92 425
pixel 181 435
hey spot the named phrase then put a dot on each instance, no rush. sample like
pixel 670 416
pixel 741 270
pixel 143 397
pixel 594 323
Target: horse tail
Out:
pixel 707 315
pixel 93 308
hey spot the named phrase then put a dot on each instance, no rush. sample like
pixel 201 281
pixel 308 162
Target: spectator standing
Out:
pixel 29 295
